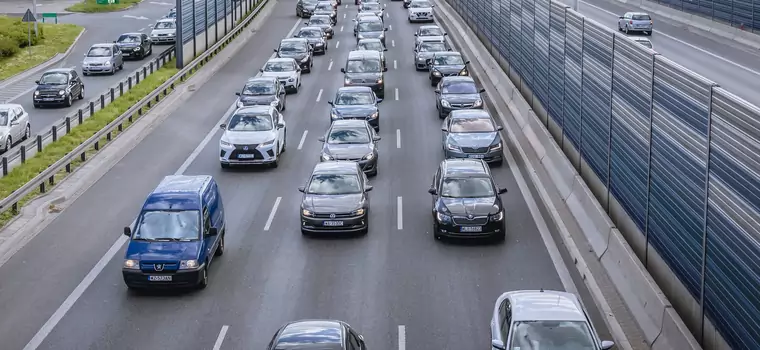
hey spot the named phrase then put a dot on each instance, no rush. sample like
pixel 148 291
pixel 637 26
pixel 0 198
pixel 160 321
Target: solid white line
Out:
pixel 390 27
pixel 395 66
pixel 67 304
pixel 341 27
pixel 393 43
pixel 329 66
pixel 396 94
pixel 400 213
pixel 271 215
pixel 402 337
pixel 319 95
pixel 337 44
pixel 303 138
pixel 398 138
pixel 220 338
pixel 388 14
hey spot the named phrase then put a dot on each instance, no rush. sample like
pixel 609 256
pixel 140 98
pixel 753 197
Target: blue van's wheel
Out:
pixel 220 249
pixel 204 278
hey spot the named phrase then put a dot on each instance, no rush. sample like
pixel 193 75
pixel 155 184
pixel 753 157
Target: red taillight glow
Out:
pixel 631 22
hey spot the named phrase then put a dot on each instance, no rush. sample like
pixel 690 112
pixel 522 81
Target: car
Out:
pixel 365 68
pixel 446 64
pixel 455 93
pixel 372 7
pixel 472 133
pixel 636 22
pixel 523 318
pixel 425 51
pixel 370 28
pixel 14 125
pixel 335 199
pixel 335 3
pixel 373 45
pixel 643 41
pixel 327 8
pixel 265 91
pixel 254 135
pixel 284 69
pixel 298 49
pixel 305 8
pixel 352 140
pixel 317 334
pixel 466 201
pixel 102 58
pixel 316 39
pixel 164 31
pixel 433 32
pixel 59 86
pixel 178 233
pixel 406 3
pixel 356 102
pixel 135 45
pixel 361 16
pixel 420 11
pixel 323 22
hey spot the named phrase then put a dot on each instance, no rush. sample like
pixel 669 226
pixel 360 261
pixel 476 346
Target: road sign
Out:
pixel 52 15
pixel 28 17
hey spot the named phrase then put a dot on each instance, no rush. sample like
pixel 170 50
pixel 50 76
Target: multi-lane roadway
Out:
pixel 396 285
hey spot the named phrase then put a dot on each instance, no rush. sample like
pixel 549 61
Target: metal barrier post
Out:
pixel 55 133
pixel 113 91
pixel 68 123
pixel 102 103
pixel 39 143
pixel 23 154
pixel 5 166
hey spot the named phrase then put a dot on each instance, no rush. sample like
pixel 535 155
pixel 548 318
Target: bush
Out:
pixel 8 47
pixel 17 31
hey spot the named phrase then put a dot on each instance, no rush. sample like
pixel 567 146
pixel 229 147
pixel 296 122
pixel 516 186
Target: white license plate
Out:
pixel 333 223
pixel 472 228
pixel 160 278
pixel 48 99
pixel 477 156
pixel 246 156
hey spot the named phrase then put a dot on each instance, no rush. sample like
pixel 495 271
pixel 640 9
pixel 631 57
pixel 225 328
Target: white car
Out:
pixel 420 11
pixel 372 7
pixel 14 125
pixel 253 135
pixel 284 69
pixel 164 32
pixel 429 31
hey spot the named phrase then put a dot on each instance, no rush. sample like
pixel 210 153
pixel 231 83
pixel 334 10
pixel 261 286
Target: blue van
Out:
pixel 177 234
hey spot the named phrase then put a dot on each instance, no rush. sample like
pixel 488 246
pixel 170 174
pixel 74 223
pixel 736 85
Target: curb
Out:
pixel 42 66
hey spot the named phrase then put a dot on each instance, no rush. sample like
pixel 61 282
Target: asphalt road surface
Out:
pixel 395 284
pixel 101 28
pixel 733 66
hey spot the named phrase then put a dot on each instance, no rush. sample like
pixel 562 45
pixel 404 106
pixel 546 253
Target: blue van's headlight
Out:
pixel 188 264
pixel 132 264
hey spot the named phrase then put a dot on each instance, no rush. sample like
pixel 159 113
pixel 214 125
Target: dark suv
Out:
pixel 59 86
pixel 135 45
pixel 317 334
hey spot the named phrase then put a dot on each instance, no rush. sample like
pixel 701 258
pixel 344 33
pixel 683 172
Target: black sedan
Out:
pixel 466 201
pixel 323 22
pixel 446 64
pixel 298 49
pixel 262 91
pixel 135 45
pixel 335 199
pixel 455 93
pixel 352 140
pixel 472 133
pixel 317 334
pixel 356 102
pixel 316 38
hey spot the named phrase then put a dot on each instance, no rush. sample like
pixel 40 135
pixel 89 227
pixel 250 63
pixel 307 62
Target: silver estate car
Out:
pixel 636 22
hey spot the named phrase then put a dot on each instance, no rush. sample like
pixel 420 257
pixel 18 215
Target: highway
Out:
pixel 733 66
pixel 396 284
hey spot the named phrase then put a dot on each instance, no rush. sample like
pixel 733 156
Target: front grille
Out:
pixel 337 215
pixel 421 14
pixel 474 149
pixel 95 64
pixel 251 149
pixel 150 266
pixel 478 220
pixel 348 159
pixel 462 105
pixel 48 94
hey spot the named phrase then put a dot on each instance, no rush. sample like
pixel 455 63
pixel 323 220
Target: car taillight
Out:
pixel 631 22
pixel 651 22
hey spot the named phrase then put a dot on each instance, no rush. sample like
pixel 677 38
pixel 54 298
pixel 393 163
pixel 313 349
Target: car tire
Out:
pixel 203 283
pixel 121 66
pixel 498 163
pixel 81 93
pixel 648 33
pixel 68 102
pixel 374 172
pixel 276 162
pixel 8 144
pixel 224 166
pixel 36 105
pixel 27 132
pixel 625 30
pixel 619 28
pixel 436 235
pixel 113 70
pixel 284 141
pixel 501 237
pixel 220 249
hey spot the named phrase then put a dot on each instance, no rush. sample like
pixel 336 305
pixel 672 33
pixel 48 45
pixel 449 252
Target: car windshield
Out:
pixel 128 39
pixel 259 88
pixel 3 118
pixel 324 7
pixel 99 52
pixel 459 88
pixel 250 122
pixel 334 184
pixel 371 46
pixel 467 187
pixel 371 7
pixel 535 335
pixel 54 78
pixel 309 3
pixel 279 67
pixel 363 66
pixel 169 225
pixel 433 31
pixel 318 21
pixel 471 125
pixel 342 136
pixel 373 26
pixel 292 47
pixel 309 33
pixel 448 60
pixel 354 98
pixel 164 25
pixel 641 18
pixel 432 47
pixel 419 4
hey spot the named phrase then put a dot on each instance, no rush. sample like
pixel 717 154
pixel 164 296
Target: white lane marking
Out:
pixel 401 337
pixel 398 138
pixel 344 16
pixel 337 44
pixel 346 7
pixel 272 213
pixel 141 29
pixel 67 304
pixel 399 213
pixel 395 66
pixel 220 338
pixel 393 43
pixel 329 66
pixel 390 27
pixel 319 95
pixel 303 139
pixel 341 27
pixel 388 14
pixel 396 94
pixel 683 42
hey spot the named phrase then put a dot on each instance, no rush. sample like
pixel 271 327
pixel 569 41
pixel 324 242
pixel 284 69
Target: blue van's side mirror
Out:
pixel 212 231
pixel 127 231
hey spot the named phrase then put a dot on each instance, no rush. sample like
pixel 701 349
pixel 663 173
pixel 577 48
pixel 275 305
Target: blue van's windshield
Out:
pixel 182 225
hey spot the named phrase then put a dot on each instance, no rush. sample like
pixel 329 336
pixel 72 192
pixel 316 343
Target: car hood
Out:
pixel 163 31
pixel 370 35
pixel 354 111
pixel 350 151
pixel 298 56
pixel 128 45
pixel 468 206
pixel 424 55
pixel 363 77
pixel 326 27
pixel 332 203
pixel 474 140
pixel 248 137
pixel 90 60
pixel 163 251
pixel 434 37
pixel 310 7
pixel 460 98
pixel 449 69
pixel 258 100
pixel 279 75
pixel 423 9
pixel 50 87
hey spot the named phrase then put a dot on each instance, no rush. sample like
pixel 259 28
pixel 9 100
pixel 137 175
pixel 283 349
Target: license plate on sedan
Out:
pixel 246 156
pixel 160 278
pixel 476 156
pixel 333 223
pixel 472 229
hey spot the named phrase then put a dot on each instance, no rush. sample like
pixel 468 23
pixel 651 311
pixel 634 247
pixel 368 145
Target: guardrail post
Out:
pixel 129 83
pixel 151 67
pixel 5 166
pixel 23 153
pixel 92 108
pixel 68 167
pixel 39 143
pixel 121 88
pixel 120 127
pixel 145 71
pixel 55 133
pixel 137 77
pixel 80 118
pixel 14 208
pixel 68 122
pixel 158 96
pixel 83 156
pixel 97 145
pixel 102 102
pixel 51 181
pixel 108 136
pixel 113 92
pixel 42 187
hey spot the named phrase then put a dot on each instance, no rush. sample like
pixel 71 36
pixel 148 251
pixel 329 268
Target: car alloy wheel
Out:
pixel 220 249
pixel 27 132
pixel 68 101
pixel 8 144
pixel 204 278
pixel 81 93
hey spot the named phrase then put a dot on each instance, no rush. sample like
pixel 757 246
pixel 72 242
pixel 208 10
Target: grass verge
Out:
pixel 57 39
pixel 91 6
pixel 24 173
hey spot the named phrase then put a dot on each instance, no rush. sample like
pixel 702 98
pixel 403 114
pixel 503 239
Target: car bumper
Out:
pixel 377 88
pixel 349 225
pixel 641 29
pixel 49 100
pixel 162 39
pixel 420 64
pixel 97 69
pixel 489 157
pixel 288 84
pixel 131 54
pixel 229 155
pixel 319 49
pixel 446 110
pixel 489 230
pixel 415 18
pixel 180 278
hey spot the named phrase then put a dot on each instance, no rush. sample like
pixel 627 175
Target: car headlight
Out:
pixel 496 147
pixel 445 103
pixel 478 103
pixel 326 157
pixel 224 143
pixel 441 217
pixel 304 59
pixel 374 115
pixel 188 264
pixel 347 81
pixel 380 81
pixel 138 48
pixel 305 212
pixel 268 143
pixel 369 156
pixel 452 147
pixel 36 93
pixel 358 212
pixel 498 216
pixel 61 92
pixel 274 103
pixel 132 264
pixel 240 104
pixel 171 34
pixel 436 73
pixel 464 72
pixel 334 116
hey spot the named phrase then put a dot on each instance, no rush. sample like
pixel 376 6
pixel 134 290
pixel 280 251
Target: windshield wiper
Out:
pixel 143 239
pixel 169 239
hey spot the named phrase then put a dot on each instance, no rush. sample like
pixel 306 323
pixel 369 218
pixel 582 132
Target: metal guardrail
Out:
pixel 677 152
pixel 46 178
pixel 28 148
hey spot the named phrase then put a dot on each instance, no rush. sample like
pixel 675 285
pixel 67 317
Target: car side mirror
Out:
pixel 282 92
pixel 437 91
pixel 443 128
pixel 237 94
pixel 331 103
pixel 444 34
pixel 607 344
pixel 307 22
pixel 432 191
pixel 415 34
pixel 301 189
pixel 223 126
pixel 368 188
pixel 280 125
pixel 127 231
pixel 465 62
pixel 499 127
pixel 482 91
pixel 321 139
pixel 620 17
pixel 502 190
pixel 343 70
pixel 498 344
pixel 385 49
pixel 261 70
pixel 385 69
pixel 428 61
pixel 377 138
pixel 275 50
pixel 385 30
pixel 212 231
pixel 114 41
pixel 37 82
pixel 379 100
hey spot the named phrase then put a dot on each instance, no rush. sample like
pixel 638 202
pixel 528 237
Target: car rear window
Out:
pixel 640 17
